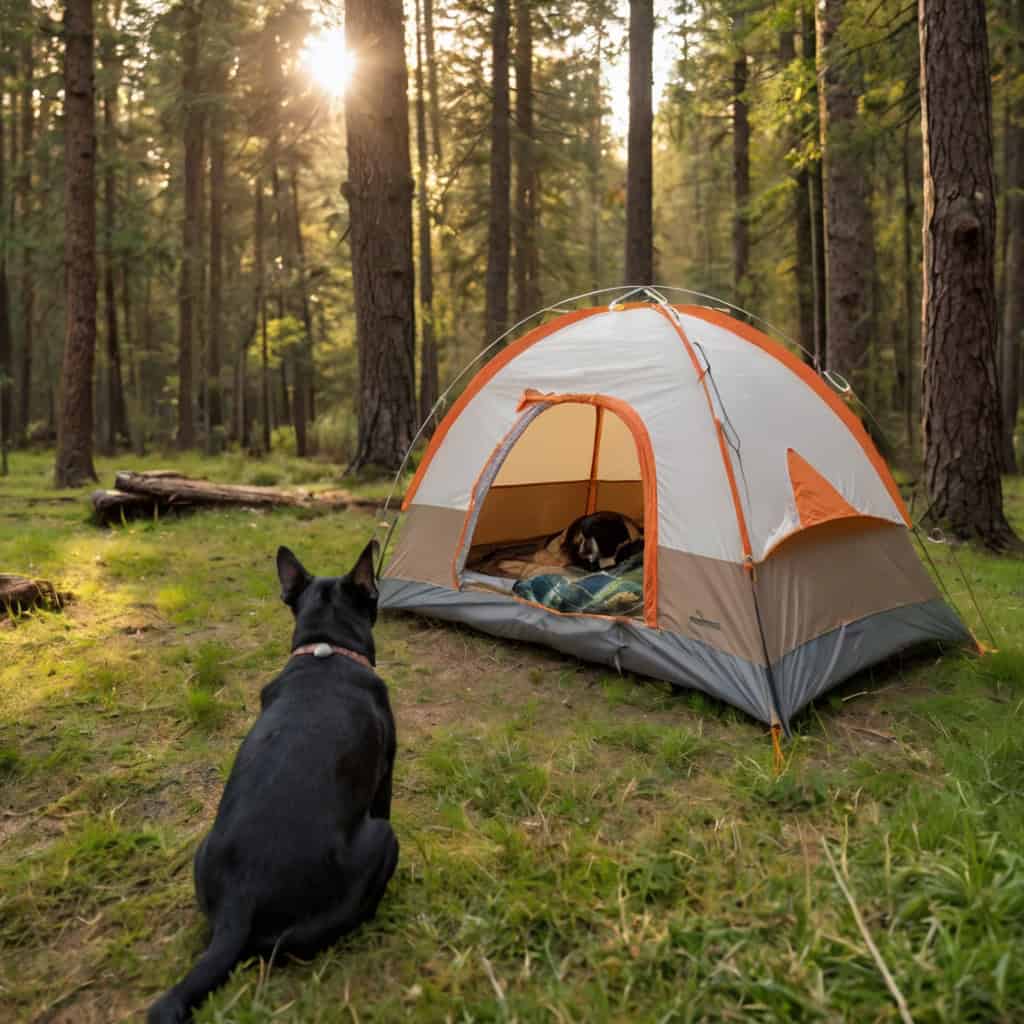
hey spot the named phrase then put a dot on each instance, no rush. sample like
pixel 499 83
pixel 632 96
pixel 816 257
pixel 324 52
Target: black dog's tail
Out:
pixel 211 970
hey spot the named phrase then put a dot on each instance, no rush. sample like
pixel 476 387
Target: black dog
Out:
pixel 302 849
pixel 601 540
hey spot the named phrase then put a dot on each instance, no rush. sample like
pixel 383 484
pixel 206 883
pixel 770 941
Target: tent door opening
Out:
pixel 566 456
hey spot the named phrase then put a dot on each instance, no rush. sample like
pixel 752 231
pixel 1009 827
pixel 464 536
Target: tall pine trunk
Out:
pixel 215 309
pixel 960 388
pixel 525 223
pixel 304 355
pixel 379 193
pixel 849 243
pixel 640 169
pixel 191 255
pixel 740 172
pixel 23 413
pixel 261 304
pixel 813 182
pixel 594 162
pixel 74 436
pixel 117 414
pixel 6 354
pixel 429 385
pixel 1012 343
pixel 909 297
pixel 499 213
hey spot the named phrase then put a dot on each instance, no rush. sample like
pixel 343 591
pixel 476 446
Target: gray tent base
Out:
pixel 799 676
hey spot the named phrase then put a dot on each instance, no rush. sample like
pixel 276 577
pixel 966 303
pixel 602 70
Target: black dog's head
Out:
pixel 337 610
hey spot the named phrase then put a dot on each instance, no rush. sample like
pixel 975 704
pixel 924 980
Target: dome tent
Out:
pixel 777 556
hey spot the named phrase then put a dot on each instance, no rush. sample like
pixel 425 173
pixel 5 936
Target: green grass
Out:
pixel 576 846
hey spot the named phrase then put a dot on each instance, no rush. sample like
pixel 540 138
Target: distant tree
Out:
pixel 74 437
pixel 498 239
pixel 740 165
pixel 960 389
pixel 849 232
pixel 117 413
pixel 525 224
pixel 1013 311
pixel 192 246
pixel 379 193
pixel 429 386
pixel 26 212
pixel 640 168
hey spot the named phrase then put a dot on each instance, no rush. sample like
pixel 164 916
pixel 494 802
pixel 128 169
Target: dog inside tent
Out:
pixel 776 558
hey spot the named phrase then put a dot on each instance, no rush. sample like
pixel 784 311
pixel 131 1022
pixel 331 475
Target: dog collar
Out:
pixel 326 650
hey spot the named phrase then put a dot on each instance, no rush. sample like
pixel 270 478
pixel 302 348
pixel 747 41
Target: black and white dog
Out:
pixel 302 849
pixel 602 540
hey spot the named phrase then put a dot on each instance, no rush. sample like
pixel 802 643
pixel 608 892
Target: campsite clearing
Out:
pixel 575 845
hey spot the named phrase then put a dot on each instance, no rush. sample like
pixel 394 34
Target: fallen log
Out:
pixel 117 506
pixel 160 491
pixel 20 593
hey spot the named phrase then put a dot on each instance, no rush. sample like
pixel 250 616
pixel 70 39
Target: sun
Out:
pixel 327 61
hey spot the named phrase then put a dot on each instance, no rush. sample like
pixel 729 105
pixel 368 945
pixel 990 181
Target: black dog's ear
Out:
pixel 362 575
pixel 294 578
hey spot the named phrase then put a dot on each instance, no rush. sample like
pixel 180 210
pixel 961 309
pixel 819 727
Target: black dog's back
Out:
pixel 301 849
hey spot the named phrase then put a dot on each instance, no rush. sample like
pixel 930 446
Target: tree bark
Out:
pixel 429 384
pixel 499 215
pixel 640 168
pixel 740 172
pixel 6 354
pixel 74 436
pixel 910 319
pixel 1012 343
pixel 527 271
pixel 117 415
pixel 304 354
pixel 379 194
pixel 23 413
pixel 261 302
pixel 849 245
pixel 594 162
pixel 191 255
pixel 815 193
pixel 215 328
pixel 962 416
pixel 432 87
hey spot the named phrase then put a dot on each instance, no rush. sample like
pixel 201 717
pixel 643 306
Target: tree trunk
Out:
pixel 640 169
pixel 815 192
pixel 191 255
pixel 803 269
pixel 740 172
pixel 117 416
pixel 849 245
pixel 6 363
pixel 74 438
pixel 261 302
pixel 1012 343
pixel 498 241
pixel 304 354
pixel 432 88
pixel 960 387
pixel 594 163
pixel 909 333
pixel 379 193
pixel 429 385
pixel 525 224
pixel 23 413
pixel 215 329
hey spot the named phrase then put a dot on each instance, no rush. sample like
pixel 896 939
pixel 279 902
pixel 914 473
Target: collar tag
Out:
pixel 322 651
